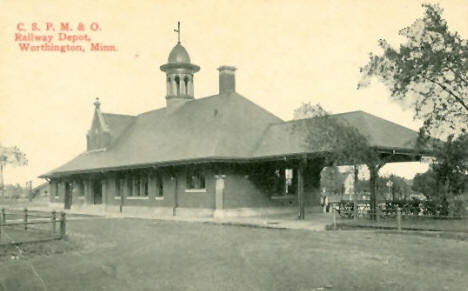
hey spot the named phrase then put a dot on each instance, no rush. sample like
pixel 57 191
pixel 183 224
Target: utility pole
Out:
pixel 2 186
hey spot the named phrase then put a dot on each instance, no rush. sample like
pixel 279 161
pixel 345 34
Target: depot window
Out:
pixel 195 179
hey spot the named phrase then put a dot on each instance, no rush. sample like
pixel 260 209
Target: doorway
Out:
pixel 68 195
pixel 97 192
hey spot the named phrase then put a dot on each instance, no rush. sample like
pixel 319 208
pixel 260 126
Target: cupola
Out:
pixel 179 74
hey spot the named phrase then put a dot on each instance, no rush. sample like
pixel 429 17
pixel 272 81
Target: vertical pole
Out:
pixel 176 202
pixel 25 219
pixel 54 221
pixel 4 215
pixel 398 218
pixel 355 184
pixel 334 218
pixel 62 225
pixel 2 185
pixel 1 227
pixel 300 190
pixel 377 212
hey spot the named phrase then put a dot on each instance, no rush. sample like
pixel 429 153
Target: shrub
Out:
pixel 458 208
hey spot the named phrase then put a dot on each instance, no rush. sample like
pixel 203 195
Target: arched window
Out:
pixel 186 81
pixel 169 86
pixel 177 80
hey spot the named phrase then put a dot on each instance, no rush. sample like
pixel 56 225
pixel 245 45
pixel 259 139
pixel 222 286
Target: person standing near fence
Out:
pixel 324 203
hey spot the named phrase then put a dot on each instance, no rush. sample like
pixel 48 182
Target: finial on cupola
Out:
pixel 178 31
pixel 97 103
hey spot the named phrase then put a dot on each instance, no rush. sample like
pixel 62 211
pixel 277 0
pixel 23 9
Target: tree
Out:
pixel 338 143
pixel 429 70
pixel 426 183
pixel 447 177
pixel 451 165
pixel 10 156
pixel 332 180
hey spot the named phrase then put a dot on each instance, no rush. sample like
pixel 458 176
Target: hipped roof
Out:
pixel 225 127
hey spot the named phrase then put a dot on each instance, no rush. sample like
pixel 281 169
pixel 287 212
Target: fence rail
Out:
pixel 19 226
pixel 399 221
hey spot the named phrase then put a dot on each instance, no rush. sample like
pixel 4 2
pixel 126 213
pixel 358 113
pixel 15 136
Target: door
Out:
pixel 68 195
pixel 97 192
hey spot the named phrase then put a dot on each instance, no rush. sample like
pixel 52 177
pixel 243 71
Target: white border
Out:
pixel 137 197
pixel 203 190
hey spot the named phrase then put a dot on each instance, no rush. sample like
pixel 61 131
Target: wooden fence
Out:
pixel 19 226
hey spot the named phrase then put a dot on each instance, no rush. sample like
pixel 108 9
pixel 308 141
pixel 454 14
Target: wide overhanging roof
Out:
pixel 224 128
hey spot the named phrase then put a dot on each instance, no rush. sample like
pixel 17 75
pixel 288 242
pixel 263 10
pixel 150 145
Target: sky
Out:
pixel 286 53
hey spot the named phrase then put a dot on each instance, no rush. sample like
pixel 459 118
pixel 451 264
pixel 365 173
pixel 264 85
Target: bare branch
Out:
pixel 446 89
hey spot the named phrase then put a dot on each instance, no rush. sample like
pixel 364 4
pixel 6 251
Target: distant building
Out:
pixel 41 190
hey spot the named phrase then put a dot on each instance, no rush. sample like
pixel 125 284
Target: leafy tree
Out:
pixel 429 70
pixel 338 143
pixel 426 183
pixel 10 156
pixel 399 187
pixel 447 177
pixel 332 180
pixel 14 191
pixel 451 165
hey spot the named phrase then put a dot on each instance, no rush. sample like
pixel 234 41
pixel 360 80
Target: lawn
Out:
pixel 134 254
pixel 412 223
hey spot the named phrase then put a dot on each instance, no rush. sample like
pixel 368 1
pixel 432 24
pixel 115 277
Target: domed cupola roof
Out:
pixel 179 59
pixel 178 55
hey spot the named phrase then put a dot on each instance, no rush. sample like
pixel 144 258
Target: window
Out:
pixel 195 180
pixel 160 187
pixel 81 189
pixel 177 80
pixel 136 184
pixel 186 80
pixel 289 181
pixel 129 186
pixel 118 187
pixel 56 190
pixel 144 181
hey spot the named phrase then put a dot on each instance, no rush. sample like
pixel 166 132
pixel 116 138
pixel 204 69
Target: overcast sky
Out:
pixel 286 52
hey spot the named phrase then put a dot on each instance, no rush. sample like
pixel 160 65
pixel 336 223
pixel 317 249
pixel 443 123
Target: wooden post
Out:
pixel 25 219
pixel 398 215
pixel 1 227
pixel 334 218
pixel 176 202
pixel 62 225
pixel 377 212
pixel 355 192
pixel 54 221
pixel 300 190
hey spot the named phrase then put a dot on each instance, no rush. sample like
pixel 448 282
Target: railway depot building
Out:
pixel 220 155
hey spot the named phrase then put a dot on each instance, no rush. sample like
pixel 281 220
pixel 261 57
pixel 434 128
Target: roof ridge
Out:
pixel 162 108
pixel 118 114
pixel 389 121
pixel 127 128
pixel 250 101
pixel 260 139
pixel 331 115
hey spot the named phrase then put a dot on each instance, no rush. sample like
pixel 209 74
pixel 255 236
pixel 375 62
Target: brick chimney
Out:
pixel 227 79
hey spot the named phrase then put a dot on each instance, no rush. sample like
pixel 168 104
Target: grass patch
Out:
pixel 134 254
pixel 23 251
pixel 409 223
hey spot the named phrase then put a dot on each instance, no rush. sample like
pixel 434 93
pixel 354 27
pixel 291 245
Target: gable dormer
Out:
pixel 99 136
pixel 106 128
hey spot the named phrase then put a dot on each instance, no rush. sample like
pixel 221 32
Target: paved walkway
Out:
pixel 313 221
